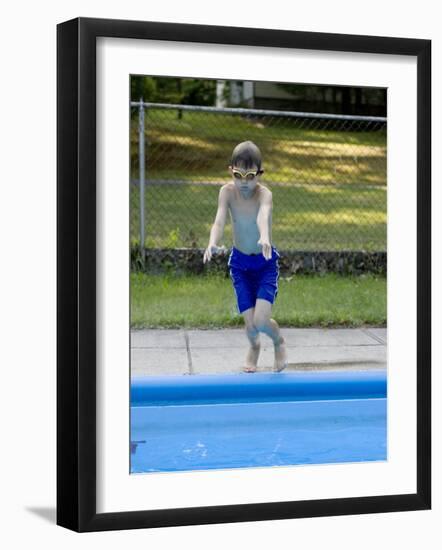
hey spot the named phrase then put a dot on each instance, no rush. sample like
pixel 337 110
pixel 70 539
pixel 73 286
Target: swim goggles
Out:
pixel 248 175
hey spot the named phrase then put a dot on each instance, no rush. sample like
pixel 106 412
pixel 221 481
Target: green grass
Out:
pixel 309 219
pixel 198 148
pixel 303 301
pixel 291 161
pixel 331 192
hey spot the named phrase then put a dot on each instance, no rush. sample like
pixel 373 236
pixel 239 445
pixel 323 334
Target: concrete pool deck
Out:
pixel 222 351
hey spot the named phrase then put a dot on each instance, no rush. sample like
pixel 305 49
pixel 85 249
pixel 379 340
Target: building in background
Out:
pixel 304 97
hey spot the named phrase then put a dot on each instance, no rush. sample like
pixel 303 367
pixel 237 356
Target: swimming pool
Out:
pixel 207 422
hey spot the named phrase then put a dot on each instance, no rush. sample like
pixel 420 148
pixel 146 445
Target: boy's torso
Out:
pixel 244 214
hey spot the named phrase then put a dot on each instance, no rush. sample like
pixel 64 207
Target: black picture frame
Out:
pixel 76 273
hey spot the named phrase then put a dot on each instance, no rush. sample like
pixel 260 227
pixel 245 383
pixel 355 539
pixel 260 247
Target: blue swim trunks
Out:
pixel 253 277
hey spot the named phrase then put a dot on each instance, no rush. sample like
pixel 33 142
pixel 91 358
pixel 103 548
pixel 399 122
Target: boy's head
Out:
pixel 245 166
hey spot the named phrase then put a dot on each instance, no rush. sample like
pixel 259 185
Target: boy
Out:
pixel 253 261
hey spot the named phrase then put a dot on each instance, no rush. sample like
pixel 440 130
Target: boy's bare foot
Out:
pixel 252 358
pixel 280 356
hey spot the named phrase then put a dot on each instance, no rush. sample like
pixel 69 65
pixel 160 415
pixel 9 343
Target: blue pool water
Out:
pixel 236 421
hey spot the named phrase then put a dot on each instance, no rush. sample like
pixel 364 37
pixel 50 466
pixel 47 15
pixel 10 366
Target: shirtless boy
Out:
pixel 253 261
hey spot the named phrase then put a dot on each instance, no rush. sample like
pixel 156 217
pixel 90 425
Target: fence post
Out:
pixel 141 178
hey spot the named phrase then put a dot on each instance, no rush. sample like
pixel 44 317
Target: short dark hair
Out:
pixel 246 154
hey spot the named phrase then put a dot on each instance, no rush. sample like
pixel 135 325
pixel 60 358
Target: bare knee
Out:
pixel 260 322
pixel 251 329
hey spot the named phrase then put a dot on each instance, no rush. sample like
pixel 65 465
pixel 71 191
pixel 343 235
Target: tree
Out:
pixel 142 87
pixel 189 91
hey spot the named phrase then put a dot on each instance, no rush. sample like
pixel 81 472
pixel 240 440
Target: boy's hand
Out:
pixel 266 248
pixel 210 250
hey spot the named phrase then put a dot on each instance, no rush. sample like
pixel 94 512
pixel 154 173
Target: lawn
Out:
pixel 304 218
pixel 329 186
pixel 160 301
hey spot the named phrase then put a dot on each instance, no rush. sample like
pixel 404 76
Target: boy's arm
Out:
pixel 263 223
pixel 217 230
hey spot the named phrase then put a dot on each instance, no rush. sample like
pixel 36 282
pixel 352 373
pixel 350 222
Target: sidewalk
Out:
pixel 161 352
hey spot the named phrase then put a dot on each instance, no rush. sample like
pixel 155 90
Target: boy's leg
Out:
pixel 253 336
pixel 245 291
pixel 264 323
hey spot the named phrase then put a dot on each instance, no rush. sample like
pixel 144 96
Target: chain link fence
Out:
pixel 327 174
